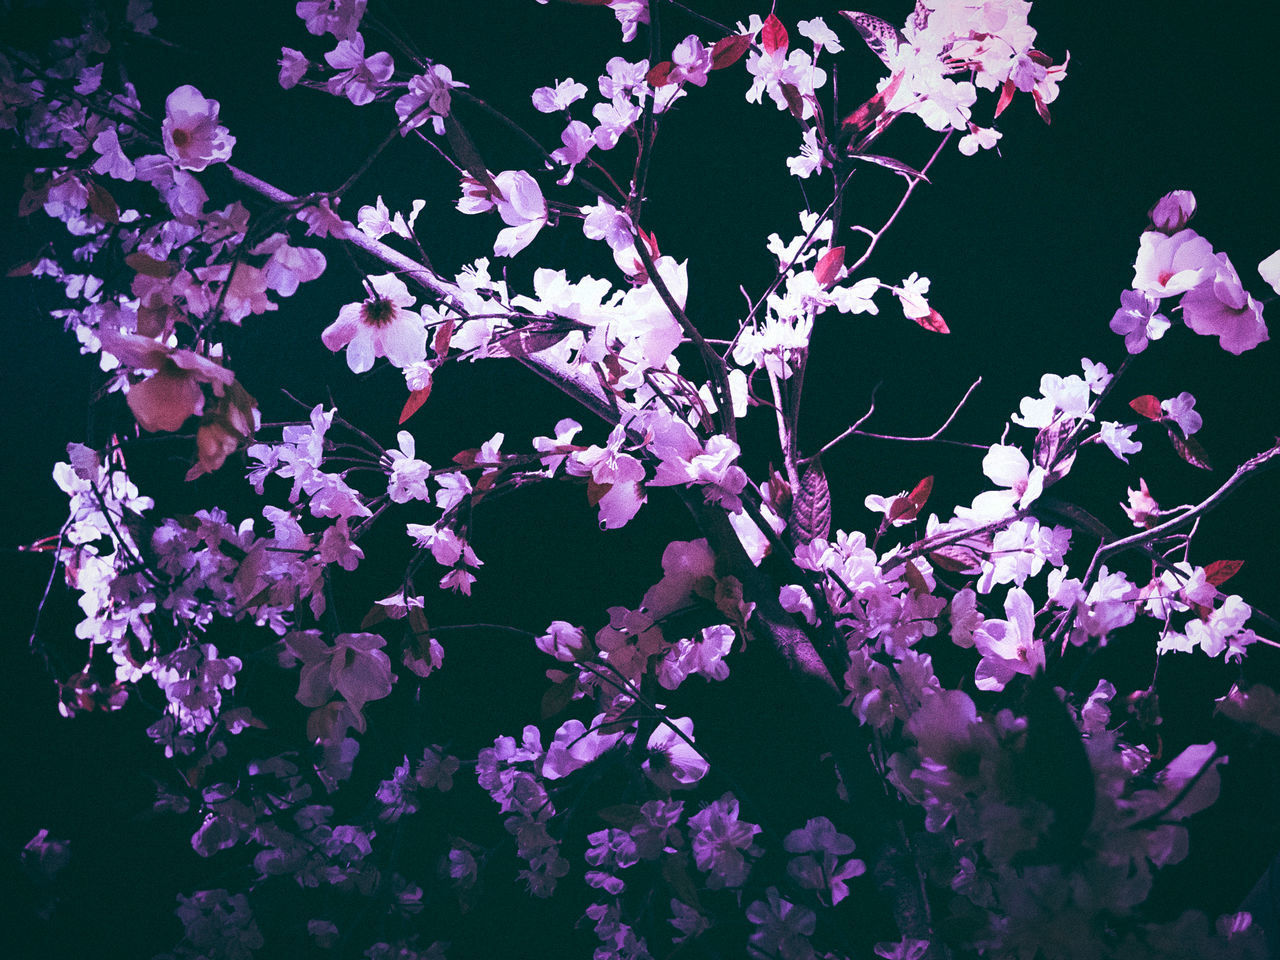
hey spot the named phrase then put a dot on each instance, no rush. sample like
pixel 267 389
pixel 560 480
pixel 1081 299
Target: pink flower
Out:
pixel 381 326
pixel 173 393
pixel 1009 647
pixel 674 764
pixel 1169 265
pixel 360 77
pixel 1220 307
pixel 520 205
pixel 428 98
pixel 1172 211
pixel 559 97
pixel 354 666
pixel 692 61
pixel 1137 320
pixel 190 131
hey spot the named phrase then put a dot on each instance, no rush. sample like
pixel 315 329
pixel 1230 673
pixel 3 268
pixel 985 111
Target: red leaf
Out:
pixel 827 270
pixel 774 35
pixel 729 50
pixel 865 115
pixel 1220 571
pixel 1041 107
pixel 1147 406
pixel 1006 97
pixel 933 322
pixel 1040 57
pixel 650 241
pixel 795 103
pixel 416 399
pixel 466 458
pixel 911 505
pixel 444 334
pixel 920 495
pixel 659 74
pixel 902 507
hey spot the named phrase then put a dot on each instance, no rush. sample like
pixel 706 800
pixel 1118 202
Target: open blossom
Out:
pixel 172 393
pixel 692 61
pixel 520 205
pixel 190 131
pixel 559 97
pixel 673 764
pixel 1169 265
pixel 428 98
pixel 1220 307
pixel 1181 410
pixel 354 666
pixel 1009 647
pixel 381 326
pixel 1137 320
pixel 359 77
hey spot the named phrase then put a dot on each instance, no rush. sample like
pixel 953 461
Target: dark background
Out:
pixel 1028 252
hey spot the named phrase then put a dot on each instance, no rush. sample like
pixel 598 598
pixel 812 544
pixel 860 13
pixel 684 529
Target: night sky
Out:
pixel 1027 250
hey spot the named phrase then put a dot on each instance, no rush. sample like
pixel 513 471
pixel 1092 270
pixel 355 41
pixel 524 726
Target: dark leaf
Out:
pixel 102 203
pixel 729 50
pixel 557 697
pixel 811 507
pixel 1189 449
pixel 528 340
pixel 465 152
pixel 897 166
pixel 795 103
pixel 1041 107
pixel 957 559
pixel 915 579
pixel 149 266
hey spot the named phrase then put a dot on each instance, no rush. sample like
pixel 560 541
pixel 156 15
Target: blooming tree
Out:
pixel 289 595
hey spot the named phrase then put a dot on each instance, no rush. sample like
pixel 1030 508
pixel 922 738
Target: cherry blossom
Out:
pixel 1220 307
pixel 428 98
pixel 358 78
pixel 1009 647
pixel 1269 270
pixel 381 326
pixel 1172 211
pixel 192 137
pixel 673 762
pixel 519 203
pixel 1171 264
pixel 560 97
pixel 1137 320
pixel 354 667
